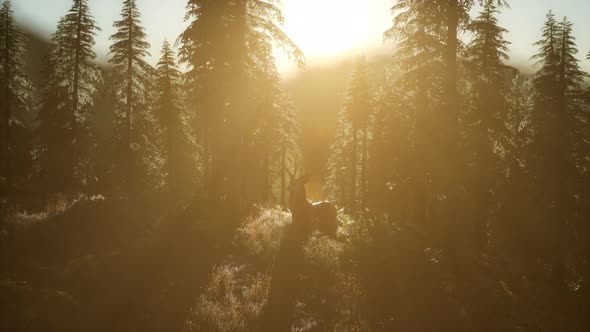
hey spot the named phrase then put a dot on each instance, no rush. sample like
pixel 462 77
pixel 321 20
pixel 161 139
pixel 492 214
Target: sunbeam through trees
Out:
pixel 265 165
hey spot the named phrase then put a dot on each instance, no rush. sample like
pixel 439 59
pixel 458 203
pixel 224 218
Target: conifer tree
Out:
pixel 338 180
pixel 347 161
pixel 202 51
pixel 64 131
pixel 485 119
pixel 556 96
pixel 131 87
pixel 389 150
pixel 455 14
pixel 227 42
pixel 288 143
pixel 171 120
pixel 517 128
pixel 76 35
pixel 16 89
pixel 544 80
pixel 418 30
pixel 358 109
pixel 571 76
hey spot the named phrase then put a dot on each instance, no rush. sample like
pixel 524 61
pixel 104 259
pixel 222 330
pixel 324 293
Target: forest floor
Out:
pixel 131 265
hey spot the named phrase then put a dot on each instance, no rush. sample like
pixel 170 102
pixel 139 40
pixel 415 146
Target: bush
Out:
pixel 232 301
pixel 260 234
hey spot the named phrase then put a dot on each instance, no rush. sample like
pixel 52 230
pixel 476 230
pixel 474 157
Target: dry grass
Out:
pixel 232 302
pixel 329 299
pixel 260 235
pixel 322 252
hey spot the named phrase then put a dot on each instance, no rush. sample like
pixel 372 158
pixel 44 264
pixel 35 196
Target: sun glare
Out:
pixel 322 28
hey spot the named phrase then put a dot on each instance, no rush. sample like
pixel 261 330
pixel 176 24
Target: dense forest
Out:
pixel 173 197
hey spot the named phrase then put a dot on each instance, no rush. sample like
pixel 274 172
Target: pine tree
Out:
pixel 16 89
pixel 202 51
pixel 488 74
pixel 428 34
pixel 455 14
pixel 571 77
pixel 64 132
pixel 556 96
pixel 288 143
pixel 419 32
pixel 76 35
pixel 358 109
pixel 131 87
pixel 176 140
pixel 485 58
pixel 389 152
pixel 517 129
pixel 272 146
pixel 346 161
pixel 338 184
pixel 225 43
pixel 544 80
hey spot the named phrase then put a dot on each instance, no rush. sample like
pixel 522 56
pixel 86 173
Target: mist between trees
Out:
pixel 462 184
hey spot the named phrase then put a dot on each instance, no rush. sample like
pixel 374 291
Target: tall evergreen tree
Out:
pixel 517 128
pixel 131 87
pixel 544 80
pixel 571 76
pixel 418 30
pixel 179 150
pixel 455 14
pixel 224 45
pixel 488 74
pixel 64 131
pixel 273 146
pixel 338 184
pixel 203 52
pixel 346 160
pixel 358 109
pixel 16 89
pixel 390 148
pixel 428 49
pixel 288 144
pixel 556 96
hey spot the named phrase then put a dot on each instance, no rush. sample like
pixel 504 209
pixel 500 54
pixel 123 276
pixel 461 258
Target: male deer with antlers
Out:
pixel 321 216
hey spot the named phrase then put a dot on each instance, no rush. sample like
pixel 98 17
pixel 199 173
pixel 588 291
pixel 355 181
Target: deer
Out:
pixel 321 216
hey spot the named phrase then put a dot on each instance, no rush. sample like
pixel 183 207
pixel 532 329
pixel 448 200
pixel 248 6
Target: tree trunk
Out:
pixel 283 172
pixel 451 62
pixel 206 150
pixel 6 114
pixel 75 90
pixel 418 206
pixel 364 169
pixel 5 139
pixel 130 156
pixel 75 96
pixel 560 160
pixel 266 178
pixel 238 167
pixel 353 168
pixel 453 231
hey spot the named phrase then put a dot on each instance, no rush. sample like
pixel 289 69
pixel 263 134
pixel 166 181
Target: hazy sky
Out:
pixel 333 27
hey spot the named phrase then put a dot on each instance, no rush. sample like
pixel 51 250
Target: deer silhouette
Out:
pixel 321 216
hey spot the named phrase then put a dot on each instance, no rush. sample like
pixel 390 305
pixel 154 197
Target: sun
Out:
pixel 323 28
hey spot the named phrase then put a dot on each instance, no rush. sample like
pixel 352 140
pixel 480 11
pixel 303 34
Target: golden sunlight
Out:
pixel 323 28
